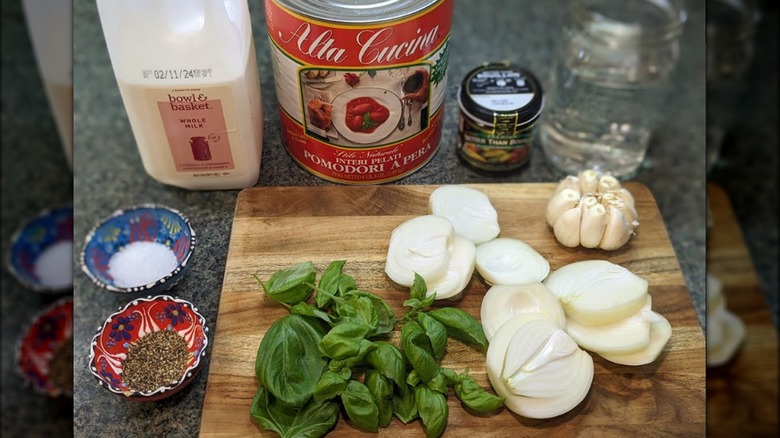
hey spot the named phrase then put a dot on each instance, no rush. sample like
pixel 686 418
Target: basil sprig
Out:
pixel 309 363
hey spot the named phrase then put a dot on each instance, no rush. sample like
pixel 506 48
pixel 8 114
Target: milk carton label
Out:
pixel 198 128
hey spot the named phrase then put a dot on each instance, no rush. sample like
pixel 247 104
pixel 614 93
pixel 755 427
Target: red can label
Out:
pixel 360 104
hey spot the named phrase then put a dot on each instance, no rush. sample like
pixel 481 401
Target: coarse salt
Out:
pixel 54 266
pixel 141 263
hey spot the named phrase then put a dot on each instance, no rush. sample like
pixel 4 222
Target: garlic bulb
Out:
pixel 502 303
pixel 469 210
pixel 537 367
pixel 510 261
pixel 459 270
pixel 593 211
pixel 424 245
pixel 725 331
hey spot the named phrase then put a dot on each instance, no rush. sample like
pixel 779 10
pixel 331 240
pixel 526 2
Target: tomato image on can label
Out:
pixel 361 102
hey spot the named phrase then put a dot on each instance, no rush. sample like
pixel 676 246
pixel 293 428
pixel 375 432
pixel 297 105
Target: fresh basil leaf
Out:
pixel 427 301
pixel 312 421
pixel 418 350
pixel 461 325
pixel 338 366
pixel 413 378
pixel 404 406
pixel 330 385
pixel 346 284
pixel 329 282
pixel 433 410
pixel 436 332
pixel 343 340
pixel 387 359
pixel 306 309
pixel 438 383
pixel 414 303
pixel 475 397
pixel 291 285
pixel 361 407
pixel 365 311
pixel 366 347
pixel 385 317
pixel 382 390
pixel 450 376
pixel 419 289
pixel 288 360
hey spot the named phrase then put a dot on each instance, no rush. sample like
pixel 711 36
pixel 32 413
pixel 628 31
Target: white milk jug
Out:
pixel 188 76
pixel 50 25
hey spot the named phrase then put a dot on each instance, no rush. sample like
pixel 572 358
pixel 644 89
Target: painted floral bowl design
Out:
pixel 35 352
pixel 142 223
pixel 47 229
pixel 142 316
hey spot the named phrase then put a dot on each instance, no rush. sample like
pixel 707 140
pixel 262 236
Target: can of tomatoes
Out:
pixel 360 84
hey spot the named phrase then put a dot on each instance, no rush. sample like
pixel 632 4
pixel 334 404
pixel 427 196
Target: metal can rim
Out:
pixel 363 13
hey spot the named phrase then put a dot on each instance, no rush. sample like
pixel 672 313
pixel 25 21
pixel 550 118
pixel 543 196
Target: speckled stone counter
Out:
pixel 35 176
pixel 110 176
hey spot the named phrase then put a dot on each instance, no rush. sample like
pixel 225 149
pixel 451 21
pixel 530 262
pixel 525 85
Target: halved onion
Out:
pixel 459 270
pixel 423 245
pixel 596 292
pixel 502 303
pixel 508 261
pixel 626 336
pixel 469 210
pixel 660 333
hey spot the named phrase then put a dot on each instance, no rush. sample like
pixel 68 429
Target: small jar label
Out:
pixel 486 150
pixel 500 90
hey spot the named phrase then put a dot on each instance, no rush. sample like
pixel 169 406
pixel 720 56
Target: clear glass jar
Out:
pixel 608 83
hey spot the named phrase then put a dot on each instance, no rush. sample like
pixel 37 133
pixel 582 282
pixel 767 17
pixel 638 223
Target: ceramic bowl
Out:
pixel 142 223
pixel 137 318
pixel 35 350
pixel 29 246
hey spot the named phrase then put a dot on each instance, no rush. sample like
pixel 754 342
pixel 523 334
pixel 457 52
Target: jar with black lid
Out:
pixel 499 106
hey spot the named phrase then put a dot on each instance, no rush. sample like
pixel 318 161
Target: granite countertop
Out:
pixel 109 175
pixel 35 177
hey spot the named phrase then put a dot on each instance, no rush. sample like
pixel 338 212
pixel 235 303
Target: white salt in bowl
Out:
pixel 41 253
pixel 145 248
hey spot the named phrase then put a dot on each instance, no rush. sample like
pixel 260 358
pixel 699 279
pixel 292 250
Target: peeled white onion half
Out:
pixel 626 336
pixel 508 261
pixel 502 303
pixel 537 367
pixel 660 333
pixel 596 292
pixel 469 210
pixel 424 245
pixel 459 270
pixel 725 331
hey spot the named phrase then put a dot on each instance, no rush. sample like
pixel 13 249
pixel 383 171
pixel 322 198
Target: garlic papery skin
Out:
pixel 469 210
pixel 725 331
pixel 627 336
pixel 660 333
pixel 595 292
pixel 510 261
pixel 607 227
pixel 424 245
pixel 537 367
pixel 502 303
pixel 459 270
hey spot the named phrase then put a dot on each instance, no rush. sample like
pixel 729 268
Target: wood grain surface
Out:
pixel 742 395
pixel 274 228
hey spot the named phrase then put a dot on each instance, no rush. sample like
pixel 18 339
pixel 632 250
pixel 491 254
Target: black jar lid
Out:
pixel 500 90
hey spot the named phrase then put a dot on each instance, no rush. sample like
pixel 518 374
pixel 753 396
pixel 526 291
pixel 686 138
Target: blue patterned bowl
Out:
pixel 47 229
pixel 142 223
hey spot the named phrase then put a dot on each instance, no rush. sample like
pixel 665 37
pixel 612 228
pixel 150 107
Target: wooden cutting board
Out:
pixel 742 396
pixel 274 228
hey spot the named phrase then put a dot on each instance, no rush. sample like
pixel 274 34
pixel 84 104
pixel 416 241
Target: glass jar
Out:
pixel 608 83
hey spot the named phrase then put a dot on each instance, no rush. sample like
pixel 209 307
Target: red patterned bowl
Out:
pixel 108 348
pixel 36 348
